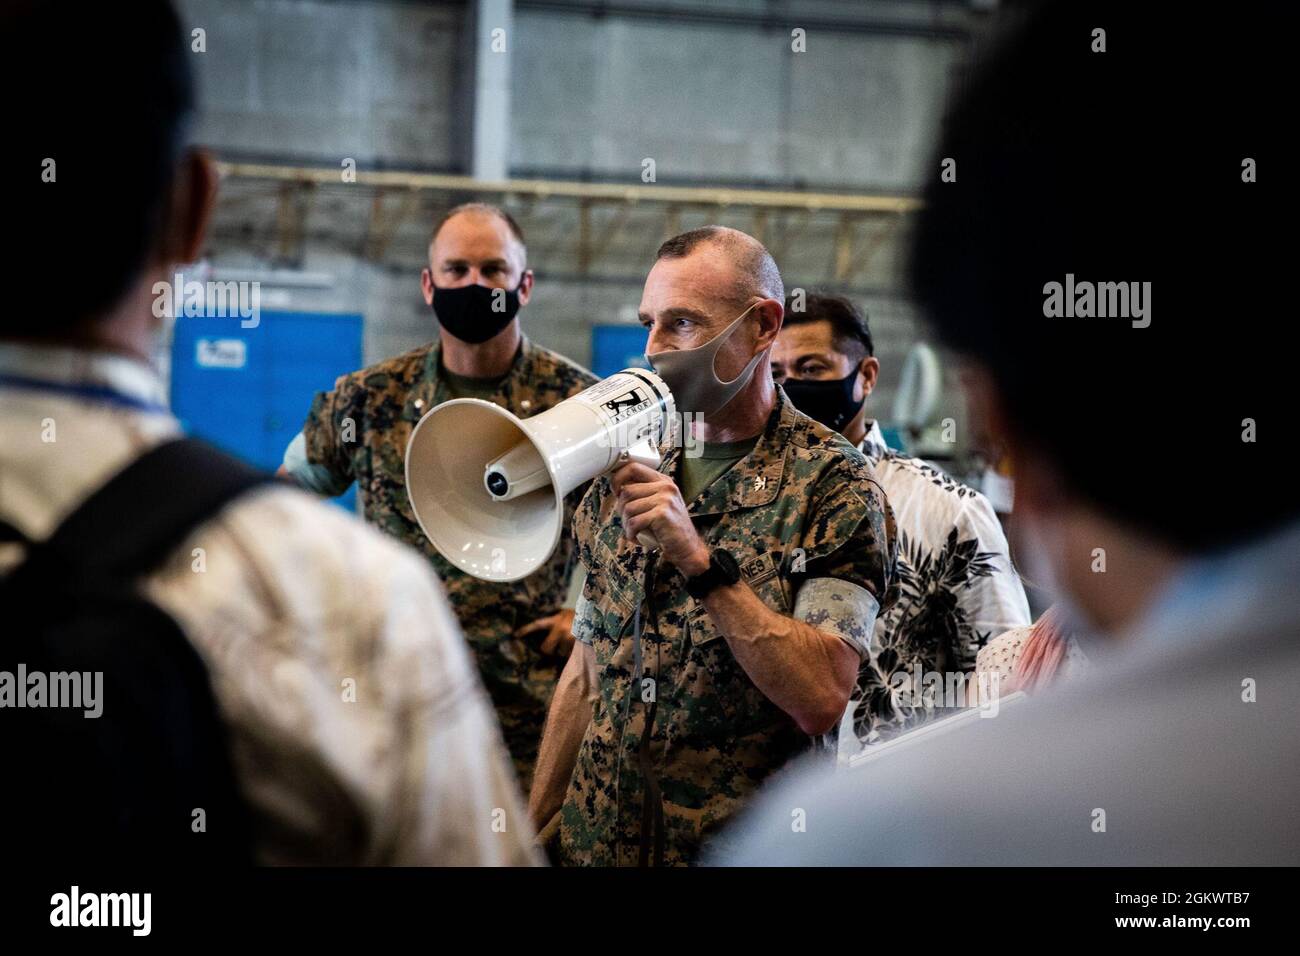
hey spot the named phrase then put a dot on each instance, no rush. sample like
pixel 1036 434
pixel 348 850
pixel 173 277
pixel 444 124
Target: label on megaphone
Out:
pixel 488 489
pixel 634 406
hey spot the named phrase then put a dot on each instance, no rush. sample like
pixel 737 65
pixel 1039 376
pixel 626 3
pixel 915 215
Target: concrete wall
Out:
pixel 714 103
pixel 724 100
pixel 713 93
pixel 316 81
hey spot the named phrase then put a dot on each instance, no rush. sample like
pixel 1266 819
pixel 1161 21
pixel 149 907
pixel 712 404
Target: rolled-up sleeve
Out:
pixel 331 431
pixel 317 478
pixel 584 620
pixel 848 557
pixel 839 607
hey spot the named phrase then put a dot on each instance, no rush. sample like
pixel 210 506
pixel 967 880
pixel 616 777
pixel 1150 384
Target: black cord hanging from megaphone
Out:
pixel 652 804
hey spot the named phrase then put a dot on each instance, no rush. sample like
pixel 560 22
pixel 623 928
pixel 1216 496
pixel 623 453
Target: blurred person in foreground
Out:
pixel 1102 145
pixel 357 728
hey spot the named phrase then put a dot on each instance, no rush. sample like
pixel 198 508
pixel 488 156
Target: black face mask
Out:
pixel 829 402
pixel 467 312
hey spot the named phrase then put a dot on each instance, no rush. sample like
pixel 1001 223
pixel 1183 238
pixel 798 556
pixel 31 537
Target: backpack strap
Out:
pixel 161 747
pixel 145 511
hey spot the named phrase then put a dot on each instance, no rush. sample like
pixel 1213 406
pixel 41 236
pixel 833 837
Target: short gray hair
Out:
pixel 757 268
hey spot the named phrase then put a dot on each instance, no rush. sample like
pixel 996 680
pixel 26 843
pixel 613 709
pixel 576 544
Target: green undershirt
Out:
pixel 714 461
pixel 463 386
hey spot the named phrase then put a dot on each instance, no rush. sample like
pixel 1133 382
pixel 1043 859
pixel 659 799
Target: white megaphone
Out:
pixel 488 488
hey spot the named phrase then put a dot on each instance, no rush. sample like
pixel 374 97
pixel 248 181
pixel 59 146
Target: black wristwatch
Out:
pixel 723 570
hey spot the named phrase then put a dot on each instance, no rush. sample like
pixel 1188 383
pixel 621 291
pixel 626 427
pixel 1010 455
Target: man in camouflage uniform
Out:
pixel 653 744
pixel 359 431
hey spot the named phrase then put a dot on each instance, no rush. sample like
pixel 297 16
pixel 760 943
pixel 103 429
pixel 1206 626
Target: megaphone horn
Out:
pixel 488 488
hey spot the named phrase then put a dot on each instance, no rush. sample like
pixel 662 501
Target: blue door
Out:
pixel 249 390
pixel 616 347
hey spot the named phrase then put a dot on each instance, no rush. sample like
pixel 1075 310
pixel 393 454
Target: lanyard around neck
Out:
pixel 95 393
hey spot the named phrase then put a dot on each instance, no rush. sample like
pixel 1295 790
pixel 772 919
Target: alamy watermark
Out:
pixel 222 300
pixel 679 432
pixel 956 690
pixel 83 690
pixel 1098 300
pixel 129 910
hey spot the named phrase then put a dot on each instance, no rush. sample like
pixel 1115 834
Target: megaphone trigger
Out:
pixel 644 453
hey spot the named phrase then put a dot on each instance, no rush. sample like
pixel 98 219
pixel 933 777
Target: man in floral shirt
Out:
pixel 956 585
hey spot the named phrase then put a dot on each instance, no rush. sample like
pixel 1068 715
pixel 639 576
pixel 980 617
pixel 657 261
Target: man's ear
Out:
pixel 770 314
pixel 1038 486
pixel 526 286
pixel 426 285
pixel 869 369
pixel 985 411
pixel 189 211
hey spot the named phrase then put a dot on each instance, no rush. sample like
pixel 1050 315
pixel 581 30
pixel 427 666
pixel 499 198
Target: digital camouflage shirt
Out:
pixel 813 535
pixel 360 429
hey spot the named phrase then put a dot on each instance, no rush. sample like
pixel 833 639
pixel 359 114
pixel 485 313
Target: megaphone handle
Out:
pixel 645 454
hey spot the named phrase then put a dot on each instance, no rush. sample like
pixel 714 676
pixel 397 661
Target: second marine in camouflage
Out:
pixel 360 429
